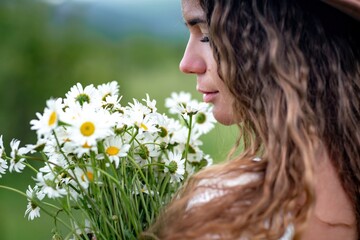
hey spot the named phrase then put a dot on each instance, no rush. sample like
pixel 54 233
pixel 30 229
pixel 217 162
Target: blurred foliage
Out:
pixel 40 58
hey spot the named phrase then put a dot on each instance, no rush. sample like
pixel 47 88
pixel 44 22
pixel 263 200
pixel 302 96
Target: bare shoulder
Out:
pixel 210 188
pixel 320 230
pixel 333 216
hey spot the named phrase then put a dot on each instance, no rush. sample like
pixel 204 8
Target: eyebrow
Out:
pixel 194 21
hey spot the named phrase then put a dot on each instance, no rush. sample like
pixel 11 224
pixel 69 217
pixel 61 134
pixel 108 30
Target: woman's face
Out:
pixel 198 59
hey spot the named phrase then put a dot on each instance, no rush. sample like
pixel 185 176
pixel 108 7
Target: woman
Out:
pixel 288 73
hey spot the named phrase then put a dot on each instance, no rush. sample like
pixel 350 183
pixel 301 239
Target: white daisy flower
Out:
pixel 146 124
pixel 52 147
pixel 112 103
pixel 195 157
pixel 191 108
pixel 204 122
pixel 57 156
pixel 151 104
pixel 3 167
pixel 143 189
pixel 139 115
pixel 208 159
pixel 138 107
pixel 196 165
pixel 175 130
pixel 177 100
pixel 48 121
pixel 142 119
pixel 175 165
pixel 80 95
pixel 32 210
pixel 2 149
pixel 72 111
pixel 17 161
pixel 109 94
pixel 144 152
pixel 71 148
pixel 84 176
pixel 195 154
pixel 179 136
pixel 108 89
pixel 115 149
pixel 90 126
pixel 49 185
pixel 80 230
pixel 34 195
pixel 40 145
pixel 60 137
pixel 3 162
pixel 50 170
pixel 73 194
pixel 121 119
pixel 165 128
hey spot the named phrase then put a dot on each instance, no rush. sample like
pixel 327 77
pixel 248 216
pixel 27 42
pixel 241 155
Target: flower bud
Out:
pixel 163 145
pixel 200 118
pixel 172 167
pixel 57 236
pixel 83 98
pixel 163 132
pixel 143 152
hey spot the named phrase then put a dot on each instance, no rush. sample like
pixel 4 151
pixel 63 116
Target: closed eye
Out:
pixel 205 39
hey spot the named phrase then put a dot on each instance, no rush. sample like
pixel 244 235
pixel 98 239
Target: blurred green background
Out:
pixel 48 46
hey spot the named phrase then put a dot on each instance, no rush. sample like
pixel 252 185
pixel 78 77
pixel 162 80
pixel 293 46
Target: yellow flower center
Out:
pixel 112 151
pixel 87 129
pixel 86 145
pixel 52 118
pixel 143 126
pixel 88 175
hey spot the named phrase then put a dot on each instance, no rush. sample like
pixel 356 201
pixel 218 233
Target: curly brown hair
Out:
pixel 293 68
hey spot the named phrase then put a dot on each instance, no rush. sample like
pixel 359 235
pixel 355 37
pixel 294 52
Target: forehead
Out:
pixel 192 9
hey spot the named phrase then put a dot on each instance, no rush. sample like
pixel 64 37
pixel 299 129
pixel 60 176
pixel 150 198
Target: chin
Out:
pixel 224 118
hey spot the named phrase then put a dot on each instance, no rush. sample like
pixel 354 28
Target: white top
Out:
pixel 209 193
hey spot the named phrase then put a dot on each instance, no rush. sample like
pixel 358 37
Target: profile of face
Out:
pixel 198 59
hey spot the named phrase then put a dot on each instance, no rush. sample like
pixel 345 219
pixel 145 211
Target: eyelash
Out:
pixel 205 39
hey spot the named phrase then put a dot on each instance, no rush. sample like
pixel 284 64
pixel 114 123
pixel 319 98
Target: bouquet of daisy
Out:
pixel 107 168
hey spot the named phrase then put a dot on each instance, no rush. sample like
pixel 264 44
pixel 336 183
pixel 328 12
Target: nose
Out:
pixel 192 61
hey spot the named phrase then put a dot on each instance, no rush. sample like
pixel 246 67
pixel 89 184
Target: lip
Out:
pixel 208 96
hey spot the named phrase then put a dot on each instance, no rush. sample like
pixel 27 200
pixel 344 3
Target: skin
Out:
pixel 351 7
pixel 198 59
pixel 333 216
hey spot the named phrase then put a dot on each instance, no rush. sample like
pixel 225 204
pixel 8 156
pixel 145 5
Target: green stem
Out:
pixel 31 167
pixel 14 190
pixel 188 140
pixel 42 209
